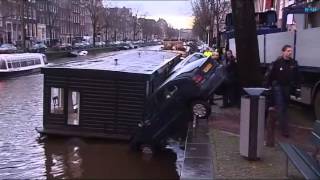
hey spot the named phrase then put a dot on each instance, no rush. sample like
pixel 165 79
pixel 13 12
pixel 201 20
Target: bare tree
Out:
pixel 113 21
pixel 6 12
pixel 172 33
pixel 66 17
pixel 209 16
pixel 95 9
pixel 202 13
pixel 52 18
pixel 107 23
pixel 220 8
pixel 23 8
pixel 135 26
pixel 148 27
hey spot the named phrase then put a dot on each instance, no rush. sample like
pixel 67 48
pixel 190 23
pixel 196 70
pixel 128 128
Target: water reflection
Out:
pixel 83 158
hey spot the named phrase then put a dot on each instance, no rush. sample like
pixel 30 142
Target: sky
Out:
pixel 178 13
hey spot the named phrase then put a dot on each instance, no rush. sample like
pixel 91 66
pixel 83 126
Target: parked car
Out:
pixel 8 48
pixel 132 46
pixel 79 45
pixel 184 94
pixel 39 48
pixel 76 53
pixel 65 46
pixel 87 44
pixel 100 44
pixel 125 46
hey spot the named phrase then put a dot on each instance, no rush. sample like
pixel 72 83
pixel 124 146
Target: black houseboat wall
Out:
pixel 103 97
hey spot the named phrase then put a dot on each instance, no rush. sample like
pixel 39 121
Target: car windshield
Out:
pixel 187 60
pixel 188 68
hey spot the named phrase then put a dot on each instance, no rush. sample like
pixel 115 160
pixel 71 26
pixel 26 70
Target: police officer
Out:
pixel 230 85
pixel 283 78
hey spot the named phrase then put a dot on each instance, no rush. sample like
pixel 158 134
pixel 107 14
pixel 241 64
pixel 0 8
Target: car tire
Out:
pixel 201 109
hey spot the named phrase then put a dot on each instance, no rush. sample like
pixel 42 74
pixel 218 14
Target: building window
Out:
pixel 73 107
pixel 57 100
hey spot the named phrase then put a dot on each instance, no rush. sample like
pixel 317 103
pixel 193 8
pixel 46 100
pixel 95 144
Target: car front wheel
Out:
pixel 201 109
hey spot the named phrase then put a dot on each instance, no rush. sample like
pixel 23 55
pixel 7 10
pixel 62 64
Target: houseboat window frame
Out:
pixel 3 64
pixel 9 65
pixel 71 90
pixel 63 101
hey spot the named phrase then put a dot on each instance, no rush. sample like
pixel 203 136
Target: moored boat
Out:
pixel 21 64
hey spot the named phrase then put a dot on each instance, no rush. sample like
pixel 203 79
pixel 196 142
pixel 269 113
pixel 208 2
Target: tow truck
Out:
pixel 305 43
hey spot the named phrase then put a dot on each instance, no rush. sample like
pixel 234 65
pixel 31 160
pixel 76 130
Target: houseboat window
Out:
pixel 37 61
pixel 23 63
pixel 30 62
pixel 57 100
pixel 73 107
pixel 3 64
pixel 15 64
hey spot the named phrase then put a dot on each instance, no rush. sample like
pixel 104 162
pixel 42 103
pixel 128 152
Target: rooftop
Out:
pixel 141 62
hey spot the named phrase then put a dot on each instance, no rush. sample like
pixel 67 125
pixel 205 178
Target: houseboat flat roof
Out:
pixel 139 62
pixel 20 55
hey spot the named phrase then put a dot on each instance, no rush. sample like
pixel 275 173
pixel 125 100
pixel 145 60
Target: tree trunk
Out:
pixel 94 34
pixel 106 40
pixel 134 33
pixel 218 29
pixel 23 24
pixel 246 43
pixel 51 36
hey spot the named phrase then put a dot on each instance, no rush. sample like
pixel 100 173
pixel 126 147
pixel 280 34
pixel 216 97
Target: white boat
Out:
pixel 21 64
pixel 76 53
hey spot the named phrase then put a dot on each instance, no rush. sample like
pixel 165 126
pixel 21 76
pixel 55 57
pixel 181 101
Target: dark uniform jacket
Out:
pixel 231 68
pixel 284 73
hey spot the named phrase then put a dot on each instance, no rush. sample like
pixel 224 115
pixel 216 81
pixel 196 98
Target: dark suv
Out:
pixel 170 107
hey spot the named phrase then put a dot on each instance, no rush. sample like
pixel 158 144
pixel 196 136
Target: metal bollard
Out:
pixel 271 124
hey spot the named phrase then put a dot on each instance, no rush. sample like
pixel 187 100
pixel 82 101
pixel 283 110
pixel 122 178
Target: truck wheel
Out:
pixel 201 109
pixel 317 105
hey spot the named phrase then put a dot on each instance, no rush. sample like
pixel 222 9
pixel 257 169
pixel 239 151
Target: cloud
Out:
pixel 177 13
pixel 179 22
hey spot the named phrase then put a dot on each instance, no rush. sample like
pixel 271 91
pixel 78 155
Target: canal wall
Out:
pixel 198 156
pixel 51 55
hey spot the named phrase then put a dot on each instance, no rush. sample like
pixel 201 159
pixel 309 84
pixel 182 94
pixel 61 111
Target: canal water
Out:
pixel 23 154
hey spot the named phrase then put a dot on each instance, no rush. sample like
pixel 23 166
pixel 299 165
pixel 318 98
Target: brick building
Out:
pixel 16 17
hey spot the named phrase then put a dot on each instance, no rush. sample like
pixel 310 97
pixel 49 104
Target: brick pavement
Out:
pixel 224 127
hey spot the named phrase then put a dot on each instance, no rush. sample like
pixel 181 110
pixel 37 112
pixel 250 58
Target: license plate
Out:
pixel 207 67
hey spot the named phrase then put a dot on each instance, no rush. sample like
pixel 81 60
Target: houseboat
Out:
pixel 21 64
pixel 102 97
